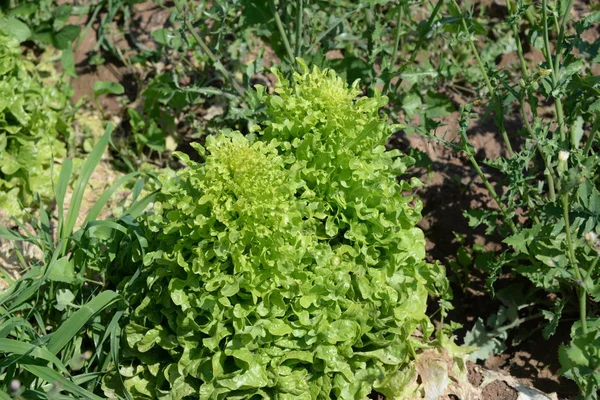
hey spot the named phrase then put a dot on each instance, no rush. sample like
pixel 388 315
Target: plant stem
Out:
pixel 550 174
pixel 571 254
pixel 593 266
pixel 489 187
pixel 515 29
pixel 216 62
pixel 593 132
pixel 561 34
pixel 420 41
pixel 546 40
pixel 395 51
pixel 523 64
pixel 495 100
pixel 515 323
pixel 299 15
pixel 279 24
pixel 555 68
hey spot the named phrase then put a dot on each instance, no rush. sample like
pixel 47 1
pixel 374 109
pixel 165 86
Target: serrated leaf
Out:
pixel 411 103
pixel 62 270
pixel 64 298
pixel 486 343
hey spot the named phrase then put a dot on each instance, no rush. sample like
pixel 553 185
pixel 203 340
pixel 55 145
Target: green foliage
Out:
pixel 225 41
pixel 32 120
pixel 581 359
pixel 550 181
pixel 288 264
pixel 59 324
pixel 40 20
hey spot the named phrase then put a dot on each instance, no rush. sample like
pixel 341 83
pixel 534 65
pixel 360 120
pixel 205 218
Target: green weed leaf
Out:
pixel 107 87
pixel 15 28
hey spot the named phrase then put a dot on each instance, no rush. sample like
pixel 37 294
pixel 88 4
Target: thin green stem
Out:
pixel 396 45
pixel 571 254
pixel 284 38
pixel 515 30
pixel 556 52
pixel 555 68
pixel 560 116
pixel 515 323
pixel 397 37
pixel 299 23
pixel 88 26
pixel 592 137
pixel 546 40
pixel 494 195
pixel 488 186
pixel 426 29
pixel 420 41
pixel 550 172
pixel 561 28
pixel 215 60
pixel 497 105
pixel 593 266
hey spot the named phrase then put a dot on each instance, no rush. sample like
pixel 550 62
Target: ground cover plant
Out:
pixel 33 117
pixel 190 290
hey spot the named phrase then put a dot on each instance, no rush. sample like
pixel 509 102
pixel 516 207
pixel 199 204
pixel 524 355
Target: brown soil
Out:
pixel 146 17
pixel 450 188
pixel 499 390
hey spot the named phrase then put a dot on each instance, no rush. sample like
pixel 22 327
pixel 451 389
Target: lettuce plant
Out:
pixel 288 264
pixel 31 117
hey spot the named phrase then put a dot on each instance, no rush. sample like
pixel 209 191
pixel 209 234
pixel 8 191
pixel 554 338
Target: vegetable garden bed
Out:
pixel 299 200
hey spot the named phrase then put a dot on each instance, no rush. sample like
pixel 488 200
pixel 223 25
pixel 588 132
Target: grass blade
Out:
pixel 137 208
pixel 62 185
pixel 51 376
pixel 71 326
pixel 86 172
pixel 108 225
pixel 9 234
pixel 95 210
pixel 7 326
pixel 12 346
pixel 44 231
pixel 115 340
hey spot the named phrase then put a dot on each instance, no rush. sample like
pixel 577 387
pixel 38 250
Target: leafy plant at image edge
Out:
pixel 31 119
pixel 56 331
pixel 288 264
pixel 550 183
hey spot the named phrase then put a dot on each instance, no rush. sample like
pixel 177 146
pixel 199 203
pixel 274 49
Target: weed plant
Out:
pixel 550 171
pixel 59 323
